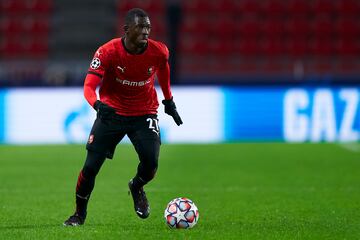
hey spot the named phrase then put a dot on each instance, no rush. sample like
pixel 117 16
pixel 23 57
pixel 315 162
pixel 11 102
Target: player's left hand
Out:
pixel 170 109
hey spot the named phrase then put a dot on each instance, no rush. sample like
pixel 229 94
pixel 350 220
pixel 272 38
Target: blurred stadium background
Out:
pixel 295 63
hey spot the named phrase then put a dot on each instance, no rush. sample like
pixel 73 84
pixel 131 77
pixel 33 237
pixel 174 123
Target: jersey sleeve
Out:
pixel 90 85
pixel 99 63
pixel 163 73
pixel 95 74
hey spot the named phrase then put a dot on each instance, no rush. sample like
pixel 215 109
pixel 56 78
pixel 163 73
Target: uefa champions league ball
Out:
pixel 181 213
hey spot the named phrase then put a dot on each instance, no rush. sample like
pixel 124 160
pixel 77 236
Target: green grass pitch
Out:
pixel 242 190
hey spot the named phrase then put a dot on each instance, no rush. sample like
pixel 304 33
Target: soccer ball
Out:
pixel 181 213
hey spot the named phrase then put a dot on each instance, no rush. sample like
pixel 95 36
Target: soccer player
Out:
pixel 125 69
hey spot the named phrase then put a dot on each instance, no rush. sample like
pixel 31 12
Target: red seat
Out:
pixel 249 7
pixel 248 28
pixel 298 47
pixel 37 26
pixel 40 6
pixel 225 27
pixel 196 7
pixel 275 8
pixel 324 7
pixel 222 48
pixel 227 7
pixel 274 47
pixel 273 28
pixel 37 48
pixel 12 7
pixel 323 47
pixel 348 7
pixel 347 27
pixel 11 47
pixel 323 28
pixel 348 48
pixel 11 26
pixel 298 28
pixel 248 48
pixel 195 25
pixel 195 46
pixel 299 8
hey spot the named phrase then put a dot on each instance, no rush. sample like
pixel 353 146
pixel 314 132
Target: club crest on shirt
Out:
pixel 95 63
pixel 150 70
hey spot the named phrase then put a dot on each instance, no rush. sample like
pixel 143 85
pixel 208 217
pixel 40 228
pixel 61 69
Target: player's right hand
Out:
pixel 103 110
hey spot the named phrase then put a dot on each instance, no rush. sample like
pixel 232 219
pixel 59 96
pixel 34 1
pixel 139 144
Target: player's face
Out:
pixel 139 31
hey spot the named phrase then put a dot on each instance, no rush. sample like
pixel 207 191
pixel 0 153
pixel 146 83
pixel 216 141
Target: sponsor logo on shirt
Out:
pixel 133 83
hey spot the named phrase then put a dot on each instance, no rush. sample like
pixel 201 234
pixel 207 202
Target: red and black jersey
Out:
pixel 127 80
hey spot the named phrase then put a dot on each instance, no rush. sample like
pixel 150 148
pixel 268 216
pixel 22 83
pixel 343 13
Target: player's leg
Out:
pixel 146 141
pixel 85 185
pixel 102 142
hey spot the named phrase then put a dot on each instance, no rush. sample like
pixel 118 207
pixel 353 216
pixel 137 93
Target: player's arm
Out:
pixel 163 74
pixel 92 81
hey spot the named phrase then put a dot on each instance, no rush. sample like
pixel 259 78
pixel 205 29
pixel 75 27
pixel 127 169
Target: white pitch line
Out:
pixel 352 147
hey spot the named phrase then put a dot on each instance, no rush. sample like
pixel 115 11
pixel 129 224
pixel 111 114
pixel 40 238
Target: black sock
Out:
pixel 86 181
pixel 84 188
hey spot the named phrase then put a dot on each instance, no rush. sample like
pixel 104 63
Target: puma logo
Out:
pixel 122 69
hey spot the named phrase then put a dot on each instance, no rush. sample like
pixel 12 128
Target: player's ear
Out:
pixel 126 28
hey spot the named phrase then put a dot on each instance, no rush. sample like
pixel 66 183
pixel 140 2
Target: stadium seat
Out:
pixel 151 7
pixel 348 8
pixel 275 8
pixel 12 7
pixel 298 48
pixel 195 25
pixel 299 8
pixel 37 26
pixel 222 48
pixel 323 47
pixel 347 27
pixel 348 48
pixel 227 7
pixel 323 27
pixel 40 6
pixel 196 7
pixel 224 27
pixel 298 28
pixel 249 7
pixel 274 47
pixel 273 28
pixel 248 28
pixel 10 26
pixel 324 8
pixel 36 48
pixel 11 48
pixel 248 48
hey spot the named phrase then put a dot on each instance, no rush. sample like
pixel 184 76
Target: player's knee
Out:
pixel 89 172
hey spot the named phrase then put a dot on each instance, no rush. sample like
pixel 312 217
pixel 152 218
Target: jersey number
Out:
pixel 153 125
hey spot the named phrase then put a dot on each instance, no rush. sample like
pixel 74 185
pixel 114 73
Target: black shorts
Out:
pixel 106 134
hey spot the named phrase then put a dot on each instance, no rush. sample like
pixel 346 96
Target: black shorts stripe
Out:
pixel 95 73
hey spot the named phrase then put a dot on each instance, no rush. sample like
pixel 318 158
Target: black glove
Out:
pixel 170 108
pixel 104 111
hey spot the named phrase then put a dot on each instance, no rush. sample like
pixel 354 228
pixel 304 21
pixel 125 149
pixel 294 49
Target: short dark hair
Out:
pixel 132 13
